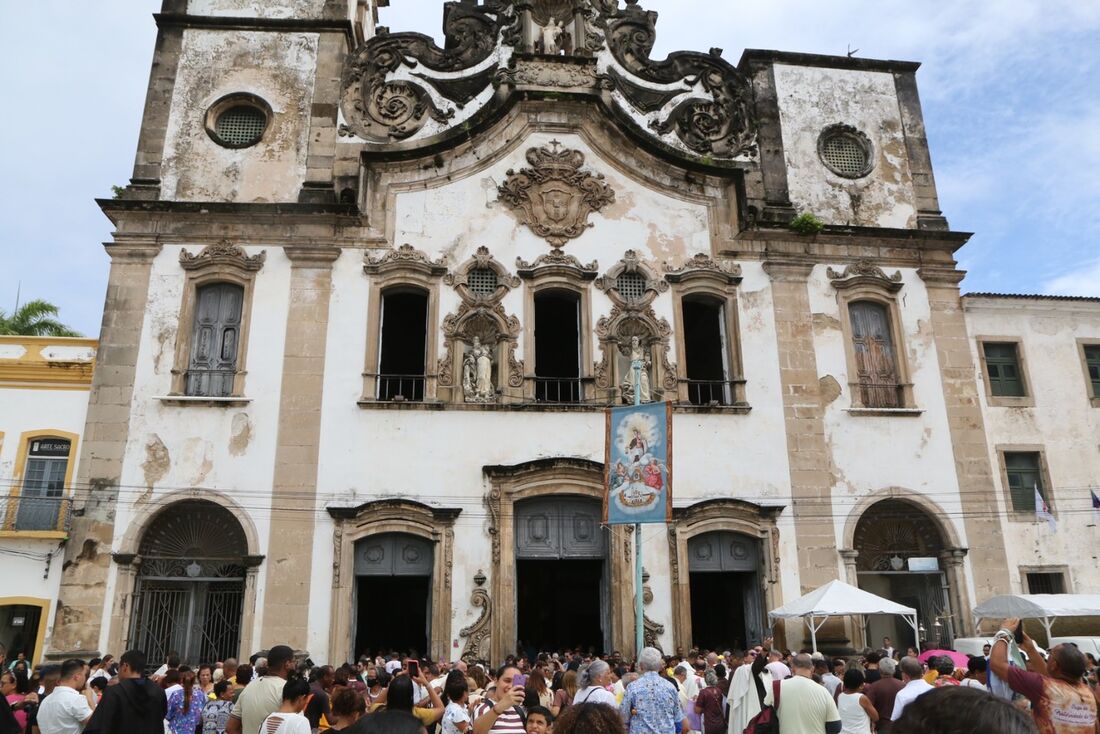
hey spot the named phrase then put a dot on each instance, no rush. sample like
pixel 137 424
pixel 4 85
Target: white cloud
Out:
pixel 1083 281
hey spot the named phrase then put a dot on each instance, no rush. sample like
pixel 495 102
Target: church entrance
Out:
pixel 724 578
pixel 393 581
pixel 899 547
pixel 561 575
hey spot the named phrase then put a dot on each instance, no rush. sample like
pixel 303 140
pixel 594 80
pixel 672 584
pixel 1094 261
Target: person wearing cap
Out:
pixel 263 696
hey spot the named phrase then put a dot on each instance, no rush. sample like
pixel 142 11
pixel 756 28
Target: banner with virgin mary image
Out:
pixel 638 465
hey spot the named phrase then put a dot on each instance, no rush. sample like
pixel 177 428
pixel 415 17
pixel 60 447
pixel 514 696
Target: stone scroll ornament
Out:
pixel 402 87
pixel 554 197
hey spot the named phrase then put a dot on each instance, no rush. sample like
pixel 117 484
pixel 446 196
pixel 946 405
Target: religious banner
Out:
pixel 638 465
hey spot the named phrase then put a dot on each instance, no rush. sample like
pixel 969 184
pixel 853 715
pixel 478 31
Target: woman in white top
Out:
pixel 856 712
pixel 288 719
pixel 592 687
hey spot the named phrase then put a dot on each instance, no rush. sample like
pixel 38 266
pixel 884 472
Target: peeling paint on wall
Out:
pixel 156 465
pixel 241 435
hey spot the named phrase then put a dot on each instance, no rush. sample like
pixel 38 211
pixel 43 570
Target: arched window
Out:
pixel 215 340
pixel 43 488
pixel 557 347
pixel 402 355
pixel 875 356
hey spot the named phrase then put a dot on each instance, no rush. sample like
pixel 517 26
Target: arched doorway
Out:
pixel 724 578
pixel 393 589
pixel 899 550
pixel 561 575
pixel 190 586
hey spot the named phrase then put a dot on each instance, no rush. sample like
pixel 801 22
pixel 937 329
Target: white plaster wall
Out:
pixel 229 451
pixel 874 453
pixel 811 99
pixel 437 457
pixel 277 67
pixel 258 8
pixel 21 411
pixel 1062 421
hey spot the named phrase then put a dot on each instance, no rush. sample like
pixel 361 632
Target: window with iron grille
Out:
pixel 1045 583
pixel 212 368
pixel 238 120
pixel 631 286
pixel 845 151
pixel 1022 469
pixel 482 281
pixel 876 362
pixel 1002 363
pixel 1092 362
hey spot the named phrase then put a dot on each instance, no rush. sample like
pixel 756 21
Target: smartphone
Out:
pixel 1019 634
pixel 519 681
pixel 413 666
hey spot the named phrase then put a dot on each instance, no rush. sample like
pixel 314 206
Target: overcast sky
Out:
pixel 1009 89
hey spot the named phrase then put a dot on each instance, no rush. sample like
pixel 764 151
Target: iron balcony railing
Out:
pixel 401 388
pixel 20 513
pixel 709 392
pixel 558 390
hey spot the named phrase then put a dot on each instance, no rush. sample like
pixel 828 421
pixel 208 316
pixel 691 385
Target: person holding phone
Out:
pixel 501 712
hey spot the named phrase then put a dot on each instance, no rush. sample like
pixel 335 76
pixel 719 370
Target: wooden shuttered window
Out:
pixel 1002 363
pixel 875 355
pixel 1092 363
pixel 212 368
pixel 1024 475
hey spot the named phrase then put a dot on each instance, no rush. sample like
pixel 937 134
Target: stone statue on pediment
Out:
pixel 477 374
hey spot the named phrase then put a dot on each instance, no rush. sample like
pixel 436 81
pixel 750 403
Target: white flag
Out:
pixel 1042 510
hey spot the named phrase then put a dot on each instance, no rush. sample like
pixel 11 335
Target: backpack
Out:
pixel 767 721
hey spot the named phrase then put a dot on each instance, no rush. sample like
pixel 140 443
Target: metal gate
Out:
pixel 198 619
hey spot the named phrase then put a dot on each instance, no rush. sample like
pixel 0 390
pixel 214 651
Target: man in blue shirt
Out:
pixel 651 704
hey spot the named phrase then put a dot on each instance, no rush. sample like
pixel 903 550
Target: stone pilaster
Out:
pixel 293 496
pixel 804 417
pixel 78 625
pixel 984 532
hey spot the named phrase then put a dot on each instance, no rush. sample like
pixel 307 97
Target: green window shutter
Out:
pixel 1023 477
pixel 1092 361
pixel 1002 362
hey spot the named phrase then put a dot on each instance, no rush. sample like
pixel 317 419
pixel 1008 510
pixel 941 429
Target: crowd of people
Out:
pixel 756 691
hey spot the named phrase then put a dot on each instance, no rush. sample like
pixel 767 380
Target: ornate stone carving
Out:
pixel 405 257
pixel 702 265
pixel 477 374
pixel 476 648
pixel 864 272
pixel 652 632
pixel 492 326
pixel 631 263
pixel 492 505
pixel 337 550
pixel 222 254
pixel 557 262
pixel 481 260
pixel 381 108
pixel 616 331
pixel 554 197
pixel 543 73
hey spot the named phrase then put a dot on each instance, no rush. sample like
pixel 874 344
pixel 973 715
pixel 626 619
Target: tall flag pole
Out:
pixel 639 609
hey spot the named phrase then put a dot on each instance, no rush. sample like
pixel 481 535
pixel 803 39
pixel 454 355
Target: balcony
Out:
pixel 38 515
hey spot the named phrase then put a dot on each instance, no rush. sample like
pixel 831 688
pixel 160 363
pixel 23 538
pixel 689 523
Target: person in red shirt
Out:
pixel 882 693
pixel 1061 703
pixel 709 704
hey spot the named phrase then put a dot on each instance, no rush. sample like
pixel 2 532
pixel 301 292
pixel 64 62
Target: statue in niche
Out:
pixel 553 37
pixel 638 353
pixel 477 373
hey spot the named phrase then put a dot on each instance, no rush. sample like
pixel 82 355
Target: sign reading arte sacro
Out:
pixel 638 465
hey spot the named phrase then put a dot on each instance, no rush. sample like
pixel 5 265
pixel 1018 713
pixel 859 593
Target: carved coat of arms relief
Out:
pixel 554 197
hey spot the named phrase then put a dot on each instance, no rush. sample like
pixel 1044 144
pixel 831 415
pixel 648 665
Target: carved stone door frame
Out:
pixel 564 477
pixel 435 524
pixel 718 515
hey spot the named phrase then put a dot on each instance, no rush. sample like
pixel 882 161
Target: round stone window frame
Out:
pixel 858 137
pixel 230 101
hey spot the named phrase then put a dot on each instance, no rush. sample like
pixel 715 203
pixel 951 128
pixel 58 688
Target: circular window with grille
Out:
pixel 631 286
pixel 482 281
pixel 845 151
pixel 238 121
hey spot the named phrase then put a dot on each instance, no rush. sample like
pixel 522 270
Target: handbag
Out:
pixel 767 721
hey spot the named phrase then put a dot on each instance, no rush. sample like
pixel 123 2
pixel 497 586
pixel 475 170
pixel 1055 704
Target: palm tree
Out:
pixel 34 318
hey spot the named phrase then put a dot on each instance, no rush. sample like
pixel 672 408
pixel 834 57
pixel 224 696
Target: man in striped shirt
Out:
pixel 497 713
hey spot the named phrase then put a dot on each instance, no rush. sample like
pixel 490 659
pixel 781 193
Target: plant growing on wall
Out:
pixel 806 224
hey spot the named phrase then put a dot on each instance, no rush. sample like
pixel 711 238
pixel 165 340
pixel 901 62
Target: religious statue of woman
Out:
pixel 469 368
pixel 483 361
pixel 638 354
pixel 551 37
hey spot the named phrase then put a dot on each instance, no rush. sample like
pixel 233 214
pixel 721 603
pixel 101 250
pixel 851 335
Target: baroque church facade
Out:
pixel 370 298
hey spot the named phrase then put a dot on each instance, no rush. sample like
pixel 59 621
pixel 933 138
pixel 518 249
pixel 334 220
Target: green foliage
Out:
pixel 117 191
pixel 807 224
pixel 34 318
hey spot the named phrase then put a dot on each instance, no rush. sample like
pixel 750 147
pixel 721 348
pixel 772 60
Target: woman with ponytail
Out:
pixel 185 706
pixel 592 686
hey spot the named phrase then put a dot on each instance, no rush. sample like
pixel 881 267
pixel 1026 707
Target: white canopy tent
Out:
pixel 838 599
pixel 1044 607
